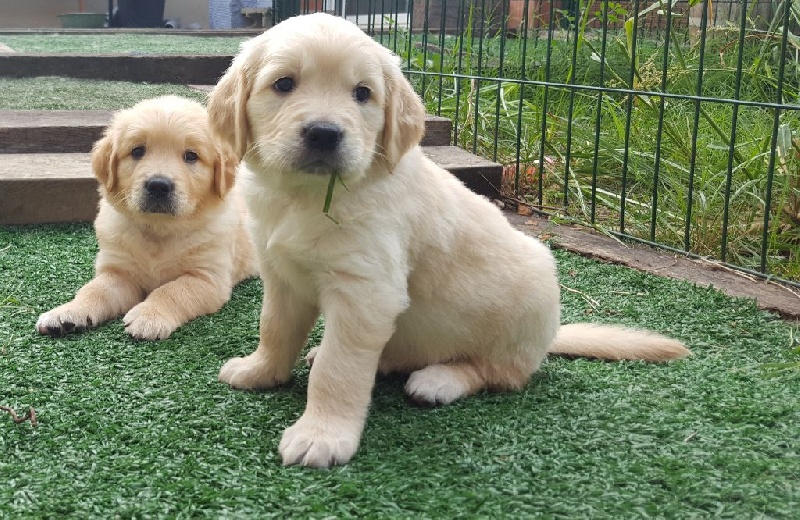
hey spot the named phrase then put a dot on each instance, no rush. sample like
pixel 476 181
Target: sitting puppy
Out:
pixel 170 229
pixel 412 271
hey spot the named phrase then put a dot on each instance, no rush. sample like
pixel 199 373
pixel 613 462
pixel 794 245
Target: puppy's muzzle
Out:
pixel 322 145
pixel 159 195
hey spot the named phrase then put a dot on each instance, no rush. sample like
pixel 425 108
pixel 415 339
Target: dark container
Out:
pixel 140 13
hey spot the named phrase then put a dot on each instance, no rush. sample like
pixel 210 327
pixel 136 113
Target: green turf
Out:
pixel 52 93
pixel 145 430
pixel 122 43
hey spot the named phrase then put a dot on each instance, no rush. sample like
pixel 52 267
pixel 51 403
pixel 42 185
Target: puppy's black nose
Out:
pixel 159 186
pixel 323 136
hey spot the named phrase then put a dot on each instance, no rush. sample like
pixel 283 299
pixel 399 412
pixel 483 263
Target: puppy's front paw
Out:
pixel 252 372
pixel 436 384
pixel 319 444
pixel 63 320
pixel 146 322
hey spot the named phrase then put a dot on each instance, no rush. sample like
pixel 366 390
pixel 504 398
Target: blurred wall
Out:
pixel 44 13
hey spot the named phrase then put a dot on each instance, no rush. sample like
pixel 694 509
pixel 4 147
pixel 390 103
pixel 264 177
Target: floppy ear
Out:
pixel 104 162
pixel 224 170
pixel 227 104
pixel 404 114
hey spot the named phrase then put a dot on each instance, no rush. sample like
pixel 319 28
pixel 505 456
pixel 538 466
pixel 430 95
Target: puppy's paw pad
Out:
pixel 143 322
pixel 435 384
pixel 250 373
pixel 57 323
pixel 318 444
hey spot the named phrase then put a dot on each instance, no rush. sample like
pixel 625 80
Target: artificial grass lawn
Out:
pixel 54 93
pixel 145 430
pixel 122 43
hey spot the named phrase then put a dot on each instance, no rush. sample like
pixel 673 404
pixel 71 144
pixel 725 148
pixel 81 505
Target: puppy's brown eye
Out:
pixel 138 152
pixel 361 93
pixel 284 85
pixel 189 156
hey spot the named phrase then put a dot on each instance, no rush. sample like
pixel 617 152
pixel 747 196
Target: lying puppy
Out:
pixel 412 271
pixel 170 231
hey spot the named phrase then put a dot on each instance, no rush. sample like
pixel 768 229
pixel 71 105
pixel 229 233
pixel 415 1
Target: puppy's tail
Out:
pixel 615 343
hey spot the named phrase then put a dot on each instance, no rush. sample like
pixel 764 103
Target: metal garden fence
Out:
pixel 668 122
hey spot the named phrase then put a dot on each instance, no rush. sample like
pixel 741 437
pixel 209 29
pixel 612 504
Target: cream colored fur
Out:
pixel 161 269
pixel 413 272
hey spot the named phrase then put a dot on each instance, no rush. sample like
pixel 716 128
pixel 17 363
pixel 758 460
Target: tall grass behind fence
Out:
pixel 670 122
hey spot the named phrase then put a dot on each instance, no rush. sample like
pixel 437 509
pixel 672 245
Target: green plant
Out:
pixel 614 152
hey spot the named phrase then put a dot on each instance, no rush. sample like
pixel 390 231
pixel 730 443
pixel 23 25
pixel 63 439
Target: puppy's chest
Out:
pixel 294 252
pixel 298 250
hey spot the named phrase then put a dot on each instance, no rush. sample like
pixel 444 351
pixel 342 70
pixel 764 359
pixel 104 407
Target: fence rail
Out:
pixel 670 122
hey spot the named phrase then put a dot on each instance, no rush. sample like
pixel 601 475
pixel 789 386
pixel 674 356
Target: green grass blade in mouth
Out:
pixel 329 196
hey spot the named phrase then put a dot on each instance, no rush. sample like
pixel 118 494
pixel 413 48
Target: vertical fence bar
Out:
pixel 381 14
pixel 573 71
pixel 425 30
pixel 523 75
pixel 396 18
pixel 500 71
pixel 787 7
pixel 375 24
pixel 442 32
pixel 628 114
pixel 460 31
pixel 409 40
pixel 479 73
pixel 543 143
pixel 660 128
pixel 734 123
pixel 599 114
pixel 697 106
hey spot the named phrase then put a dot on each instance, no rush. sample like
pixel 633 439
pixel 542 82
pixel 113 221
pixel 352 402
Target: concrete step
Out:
pixel 152 68
pixel 478 174
pixel 45 188
pixel 66 131
pixel 37 188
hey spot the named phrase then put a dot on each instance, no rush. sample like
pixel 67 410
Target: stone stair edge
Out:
pixel 54 131
pixel 41 188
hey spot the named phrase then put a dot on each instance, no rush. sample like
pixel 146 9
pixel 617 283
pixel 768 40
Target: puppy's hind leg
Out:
pixel 445 382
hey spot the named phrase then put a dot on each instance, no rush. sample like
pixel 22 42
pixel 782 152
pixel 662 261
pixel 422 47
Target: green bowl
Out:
pixel 82 20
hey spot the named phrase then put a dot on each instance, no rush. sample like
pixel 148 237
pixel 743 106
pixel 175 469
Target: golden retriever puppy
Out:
pixel 412 271
pixel 170 228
